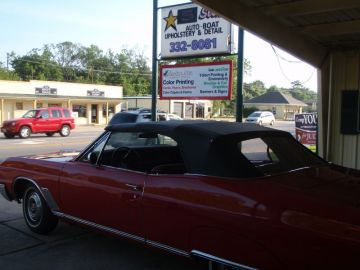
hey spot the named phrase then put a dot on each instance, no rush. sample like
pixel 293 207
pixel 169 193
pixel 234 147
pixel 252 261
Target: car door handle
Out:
pixel 134 187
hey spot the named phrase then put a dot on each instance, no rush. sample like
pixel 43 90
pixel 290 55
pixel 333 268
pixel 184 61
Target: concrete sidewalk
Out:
pixel 71 247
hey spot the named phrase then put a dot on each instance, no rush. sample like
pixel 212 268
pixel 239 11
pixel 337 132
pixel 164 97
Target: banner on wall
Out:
pixel 196 81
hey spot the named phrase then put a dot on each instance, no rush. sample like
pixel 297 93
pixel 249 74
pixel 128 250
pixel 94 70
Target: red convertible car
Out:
pixel 238 195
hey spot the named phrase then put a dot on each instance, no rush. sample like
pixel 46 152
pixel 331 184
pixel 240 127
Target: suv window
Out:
pixel 45 114
pixel 56 114
pixel 66 113
pixel 30 114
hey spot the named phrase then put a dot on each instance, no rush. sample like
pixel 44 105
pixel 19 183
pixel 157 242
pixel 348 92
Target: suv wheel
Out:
pixel 272 122
pixel 65 131
pixel 24 132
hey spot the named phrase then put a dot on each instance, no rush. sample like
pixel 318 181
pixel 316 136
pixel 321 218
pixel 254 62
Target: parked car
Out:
pixel 261 118
pixel 141 116
pixel 43 120
pixel 236 194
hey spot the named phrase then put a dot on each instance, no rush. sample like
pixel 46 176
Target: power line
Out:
pixel 278 57
pixel 283 58
pixel 86 69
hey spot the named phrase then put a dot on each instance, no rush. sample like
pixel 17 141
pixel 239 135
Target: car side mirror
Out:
pixel 93 158
pixel 39 117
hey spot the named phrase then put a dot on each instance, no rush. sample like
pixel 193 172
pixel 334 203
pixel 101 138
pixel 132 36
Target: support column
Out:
pixel 88 113
pixel 34 104
pixel 240 68
pixel 154 78
pixel 107 113
pixel 69 104
pixel 2 111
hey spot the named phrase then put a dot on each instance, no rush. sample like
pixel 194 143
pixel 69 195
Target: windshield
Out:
pixel 30 114
pixel 255 114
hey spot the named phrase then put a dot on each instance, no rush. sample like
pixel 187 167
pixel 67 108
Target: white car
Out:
pixel 261 118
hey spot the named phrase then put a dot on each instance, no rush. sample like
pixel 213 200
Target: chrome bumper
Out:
pixel 4 192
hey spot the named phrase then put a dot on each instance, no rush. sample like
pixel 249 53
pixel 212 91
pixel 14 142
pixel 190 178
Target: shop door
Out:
pixel 189 110
pixel 178 109
pixel 94 113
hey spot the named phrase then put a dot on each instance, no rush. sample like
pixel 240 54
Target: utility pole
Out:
pixel 7 61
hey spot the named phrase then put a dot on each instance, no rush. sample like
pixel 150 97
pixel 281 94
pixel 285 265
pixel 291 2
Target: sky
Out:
pixel 114 24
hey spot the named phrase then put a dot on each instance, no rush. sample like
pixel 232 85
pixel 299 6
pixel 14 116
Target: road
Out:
pixel 40 143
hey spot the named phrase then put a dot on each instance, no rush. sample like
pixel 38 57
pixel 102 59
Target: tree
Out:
pixel 6 74
pixel 67 56
pixel 274 88
pixel 37 65
pixel 300 92
pixel 254 89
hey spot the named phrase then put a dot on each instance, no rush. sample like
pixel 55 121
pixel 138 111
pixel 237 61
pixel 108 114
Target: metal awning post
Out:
pixel 240 70
pixel 154 62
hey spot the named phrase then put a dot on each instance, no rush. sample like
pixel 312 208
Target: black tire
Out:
pixel 8 135
pixel 65 131
pixel 260 123
pixel 37 214
pixel 25 132
pixel 50 134
pixel 272 122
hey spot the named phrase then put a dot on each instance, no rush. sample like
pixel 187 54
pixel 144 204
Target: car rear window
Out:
pixel 273 155
pixel 123 118
pixel 66 113
pixel 255 156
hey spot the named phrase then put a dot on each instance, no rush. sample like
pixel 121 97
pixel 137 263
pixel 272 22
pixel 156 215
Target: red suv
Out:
pixel 44 120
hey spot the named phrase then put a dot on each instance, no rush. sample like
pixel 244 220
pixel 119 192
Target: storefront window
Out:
pixel 54 105
pixel 19 105
pixel 80 110
pixel 111 110
pixel 39 105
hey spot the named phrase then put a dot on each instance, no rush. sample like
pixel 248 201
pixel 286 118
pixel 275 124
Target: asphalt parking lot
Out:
pixel 72 247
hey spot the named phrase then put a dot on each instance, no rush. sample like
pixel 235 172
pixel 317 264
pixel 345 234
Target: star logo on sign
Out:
pixel 170 21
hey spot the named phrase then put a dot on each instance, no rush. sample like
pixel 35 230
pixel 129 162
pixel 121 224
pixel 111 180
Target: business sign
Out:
pixel 196 81
pixel 190 30
pixel 306 128
pixel 45 90
pixel 95 93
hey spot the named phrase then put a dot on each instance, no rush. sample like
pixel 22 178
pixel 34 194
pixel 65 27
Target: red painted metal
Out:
pixel 306 219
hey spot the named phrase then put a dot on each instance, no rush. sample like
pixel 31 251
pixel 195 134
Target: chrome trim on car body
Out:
pixel 3 192
pixel 220 260
pixel 32 182
pixel 153 243
pixel 45 193
pixel 98 226
pixel 168 248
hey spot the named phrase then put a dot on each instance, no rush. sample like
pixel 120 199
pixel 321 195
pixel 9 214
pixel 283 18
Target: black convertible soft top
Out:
pixel 206 129
pixel 205 145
